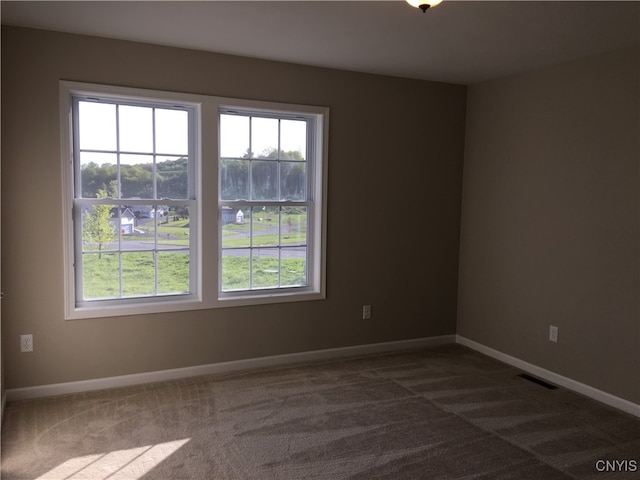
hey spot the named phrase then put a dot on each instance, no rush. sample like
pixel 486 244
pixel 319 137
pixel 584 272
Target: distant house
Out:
pixel 232 215
pixel 142 211
pixel 126 220
pixel 147 211
pixel 158 212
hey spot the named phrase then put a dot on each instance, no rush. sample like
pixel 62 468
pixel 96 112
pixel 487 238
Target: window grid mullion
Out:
pixel 156 254
pixel 118 194
pixel 154 188
pixel 279 263
pixel 279 190
pixel 251 156
pixel 251 247
pixel 154 166
pixel 279 241
pixel 251 161
pixel 154 181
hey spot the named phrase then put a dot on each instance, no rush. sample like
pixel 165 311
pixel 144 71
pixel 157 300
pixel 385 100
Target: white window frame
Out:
pixel 207 292
pixel 315 206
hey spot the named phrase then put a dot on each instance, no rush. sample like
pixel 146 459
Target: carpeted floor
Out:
pixel 436 413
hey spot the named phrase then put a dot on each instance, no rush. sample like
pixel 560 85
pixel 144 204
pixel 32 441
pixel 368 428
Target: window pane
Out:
pixel 293 181
pixel 97 171
pixel 99 228
pixel 264 137
pixel 172 131
pixel 174 226
pixel 264 180
pixel 293 139
pixel 136 176
pixel 173 272
pixel 172 177
pixel 135 129
pixel 138 274
pixel 100 275
pixel 180 216
pixel 97 125
pixel 265 231
pixel 235 227
pixel 234 180
pixel 234 136
pixel 264 222
pixel 236 269
pixel 137 227
pixel 125 220
pixel 293 230
pixel 266 267
pixel 293 267
pixel 169 236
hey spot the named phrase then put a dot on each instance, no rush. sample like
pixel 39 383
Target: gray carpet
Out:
pixel 436 413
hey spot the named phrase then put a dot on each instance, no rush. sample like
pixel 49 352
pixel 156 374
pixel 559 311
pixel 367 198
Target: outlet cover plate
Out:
pixel 553 333
pixel 26 343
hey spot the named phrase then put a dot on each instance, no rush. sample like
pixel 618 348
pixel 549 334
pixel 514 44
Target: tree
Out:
pixel 97 228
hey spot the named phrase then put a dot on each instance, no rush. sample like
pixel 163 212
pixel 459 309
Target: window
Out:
pixel 266 200
pixel 143 170
pixel 134 199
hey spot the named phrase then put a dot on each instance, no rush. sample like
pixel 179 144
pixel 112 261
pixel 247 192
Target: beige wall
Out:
pixel 395 170
pixel 550 220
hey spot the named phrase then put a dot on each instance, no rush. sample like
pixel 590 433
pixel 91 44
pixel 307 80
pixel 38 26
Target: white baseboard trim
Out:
pixel 568 383
pixel 26 393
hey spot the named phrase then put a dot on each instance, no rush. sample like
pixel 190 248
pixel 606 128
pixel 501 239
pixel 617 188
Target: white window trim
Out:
pixel 207 292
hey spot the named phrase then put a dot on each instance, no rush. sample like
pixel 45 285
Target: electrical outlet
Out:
pixel 553 334
pixel 366 312
pixel 26 343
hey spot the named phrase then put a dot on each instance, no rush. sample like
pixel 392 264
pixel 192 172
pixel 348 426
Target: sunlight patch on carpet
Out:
pixel 128 464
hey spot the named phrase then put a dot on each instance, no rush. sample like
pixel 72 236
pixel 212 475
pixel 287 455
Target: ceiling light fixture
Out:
pixel 423 4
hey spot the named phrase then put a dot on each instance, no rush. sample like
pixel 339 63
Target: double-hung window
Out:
pixel 266 201
pixel 134 199
pixel 176 201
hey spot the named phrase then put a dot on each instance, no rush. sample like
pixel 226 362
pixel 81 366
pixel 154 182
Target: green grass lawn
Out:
pixel 102 274
pixel 236 276
pixel 103 278
pixel 177 232
pixel 265 232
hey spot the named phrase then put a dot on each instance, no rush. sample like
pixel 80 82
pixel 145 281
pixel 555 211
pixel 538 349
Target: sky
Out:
pixel 238 133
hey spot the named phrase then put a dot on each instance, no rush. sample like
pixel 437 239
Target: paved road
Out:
pixel 290 252
pixel 272 252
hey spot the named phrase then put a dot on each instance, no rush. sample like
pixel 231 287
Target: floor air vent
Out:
pixel 537 381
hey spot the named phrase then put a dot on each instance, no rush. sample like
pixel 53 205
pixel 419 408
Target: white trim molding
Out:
pixel 568 383
pixel 27 393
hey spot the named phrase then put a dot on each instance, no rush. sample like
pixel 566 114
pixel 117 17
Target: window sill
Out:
pixel 241 299
pixel 191 303
pixel 141 308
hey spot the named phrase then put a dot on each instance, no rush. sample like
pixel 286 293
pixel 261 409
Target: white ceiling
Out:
pixel 458 41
